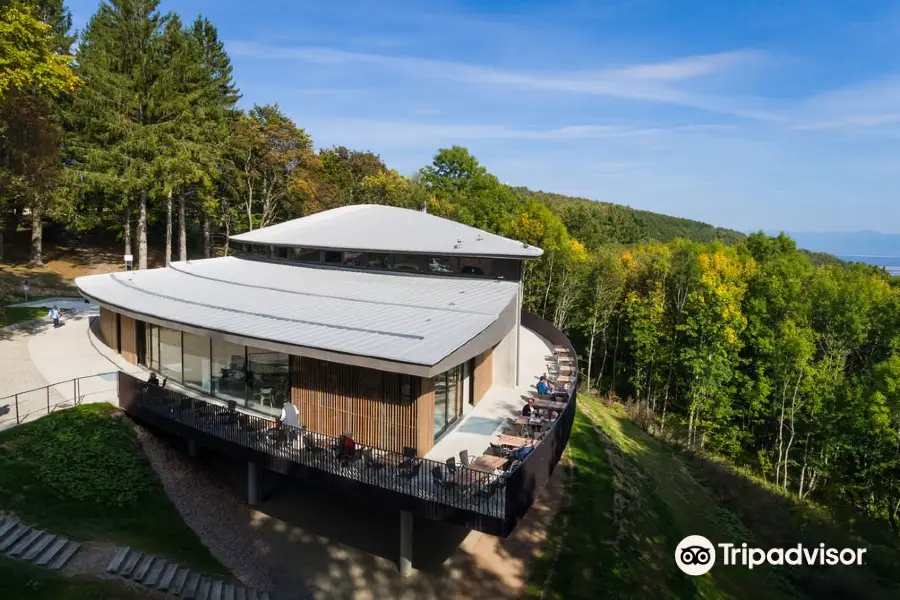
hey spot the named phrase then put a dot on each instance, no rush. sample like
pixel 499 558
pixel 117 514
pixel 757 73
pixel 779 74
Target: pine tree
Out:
pixel 114 142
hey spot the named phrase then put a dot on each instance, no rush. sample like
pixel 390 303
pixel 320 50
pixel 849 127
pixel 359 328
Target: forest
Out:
pixel 783 362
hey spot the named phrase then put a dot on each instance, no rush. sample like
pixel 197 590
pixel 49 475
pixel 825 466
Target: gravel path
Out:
pixel 221 521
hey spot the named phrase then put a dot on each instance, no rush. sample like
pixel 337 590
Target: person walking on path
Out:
pixel 54 314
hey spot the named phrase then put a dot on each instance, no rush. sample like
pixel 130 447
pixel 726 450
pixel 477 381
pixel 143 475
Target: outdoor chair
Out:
pixel 409 457
pixel 437 474
pixel 412 472
pixel 464 458
pixel 451 465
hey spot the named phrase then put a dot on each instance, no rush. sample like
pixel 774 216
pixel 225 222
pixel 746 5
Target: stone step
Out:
pixel 7 526
pixel 189 591
pixel 178 582
pixel 203 589
pixel 251 595
pixel 215 592
pixel 228 592
pixel 39 546
pixel 118 560
pixel 240 593
pixel 166 578
pixel 63 557
pixel 130 563
pixel 155 573
pixel 24 543
pixel 140 571
pixel 264 596
pixel 13 536
pixel 51 552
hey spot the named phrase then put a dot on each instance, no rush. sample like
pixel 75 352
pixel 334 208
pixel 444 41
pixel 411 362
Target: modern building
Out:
pixel 389 326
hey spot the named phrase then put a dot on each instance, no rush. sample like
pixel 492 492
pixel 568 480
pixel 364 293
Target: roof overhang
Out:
pixel 379 323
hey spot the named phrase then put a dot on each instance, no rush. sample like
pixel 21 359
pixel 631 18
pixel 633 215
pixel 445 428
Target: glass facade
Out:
pixel 254 378
pixel 447 400
pixel 493 268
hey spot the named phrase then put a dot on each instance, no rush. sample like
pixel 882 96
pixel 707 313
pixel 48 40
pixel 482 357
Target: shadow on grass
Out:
pixel 777 521
pixel 714 499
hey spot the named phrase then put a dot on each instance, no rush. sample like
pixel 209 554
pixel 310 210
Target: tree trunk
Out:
pixel 127 233
pixel 36 235
pixel 227 234
pixel 207 240
pixel 169 228
pixel 182 233
pixel 142 232
pixel 1 243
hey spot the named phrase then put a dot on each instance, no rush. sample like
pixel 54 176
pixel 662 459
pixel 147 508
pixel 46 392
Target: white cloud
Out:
pixel 647 82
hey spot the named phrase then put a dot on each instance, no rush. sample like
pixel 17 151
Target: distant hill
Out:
pixel 592 222
pixel 850 243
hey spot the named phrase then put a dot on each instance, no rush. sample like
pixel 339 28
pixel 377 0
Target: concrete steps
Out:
pixel 41 548
pixel 157 573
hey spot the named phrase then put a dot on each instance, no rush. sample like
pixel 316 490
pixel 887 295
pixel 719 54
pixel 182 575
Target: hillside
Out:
pixel 593 222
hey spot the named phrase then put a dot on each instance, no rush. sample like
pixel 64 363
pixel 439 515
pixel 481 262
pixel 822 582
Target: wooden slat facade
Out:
pixel 425 417
pixel 109 328
pixel 377 408
pixel 128 338
pixel 484 369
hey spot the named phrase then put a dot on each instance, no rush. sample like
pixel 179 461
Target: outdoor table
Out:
pixel 487 463
pixel 513 441
pixel 478 470
pixel 561 350
pixel 548 404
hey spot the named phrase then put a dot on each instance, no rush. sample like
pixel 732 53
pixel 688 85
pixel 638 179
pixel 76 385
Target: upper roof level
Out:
pixel 388 229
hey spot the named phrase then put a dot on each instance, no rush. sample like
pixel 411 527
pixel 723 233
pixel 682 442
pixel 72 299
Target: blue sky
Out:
pixel 752 115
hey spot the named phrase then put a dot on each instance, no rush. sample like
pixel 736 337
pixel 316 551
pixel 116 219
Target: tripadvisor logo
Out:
pixel 696 555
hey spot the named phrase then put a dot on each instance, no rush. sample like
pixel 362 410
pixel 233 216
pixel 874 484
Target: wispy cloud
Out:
pixel 646 82
pixel 866 106
pixel 406 134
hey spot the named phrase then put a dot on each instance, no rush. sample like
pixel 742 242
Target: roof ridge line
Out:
pixel 118 279
pixel 331 296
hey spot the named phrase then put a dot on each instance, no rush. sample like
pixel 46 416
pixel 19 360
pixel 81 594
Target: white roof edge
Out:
pixel 388 229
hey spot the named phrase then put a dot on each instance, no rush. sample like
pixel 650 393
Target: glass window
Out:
pixel 447 400
pixel 506 269
pixel 282 252
pixel 268 380
pixel 228 371
pixel 443 264
pixel 354 259
pixel 307 255
pixel 475 266
pixel 410 263
pixel 196 362
pixel 153 347
pixel 384 262
pixel 170 353
pixel 334 258
pixel 260 250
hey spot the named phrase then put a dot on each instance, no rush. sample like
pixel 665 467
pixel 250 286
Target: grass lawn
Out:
pixel 21 581
pixel 82 473
pixel 17 314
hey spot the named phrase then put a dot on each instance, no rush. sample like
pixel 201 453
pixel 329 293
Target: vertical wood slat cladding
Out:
pixel 484 368
pixel 334 398
pixel 108 328
pixel 128 338
pixel 425 417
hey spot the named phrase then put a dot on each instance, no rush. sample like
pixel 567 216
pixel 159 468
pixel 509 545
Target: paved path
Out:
pixel 34 355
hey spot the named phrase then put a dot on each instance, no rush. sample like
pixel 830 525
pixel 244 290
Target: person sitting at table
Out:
pixel 553 416
pixel 542 387
pixel 528 409
pixel 522 452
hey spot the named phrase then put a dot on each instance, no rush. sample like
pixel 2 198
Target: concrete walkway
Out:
pixel 34 355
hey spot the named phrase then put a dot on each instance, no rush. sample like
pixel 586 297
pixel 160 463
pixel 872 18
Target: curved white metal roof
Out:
pixel 416 320
pixel 388 229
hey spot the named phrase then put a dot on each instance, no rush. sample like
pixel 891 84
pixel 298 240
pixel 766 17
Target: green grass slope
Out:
pixel 632 499
pixel 82 473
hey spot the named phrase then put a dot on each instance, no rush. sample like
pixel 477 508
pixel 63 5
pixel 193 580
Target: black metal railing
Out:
pixel 525 483
pixel 430 488
pixel 22 407
pixel 488 502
